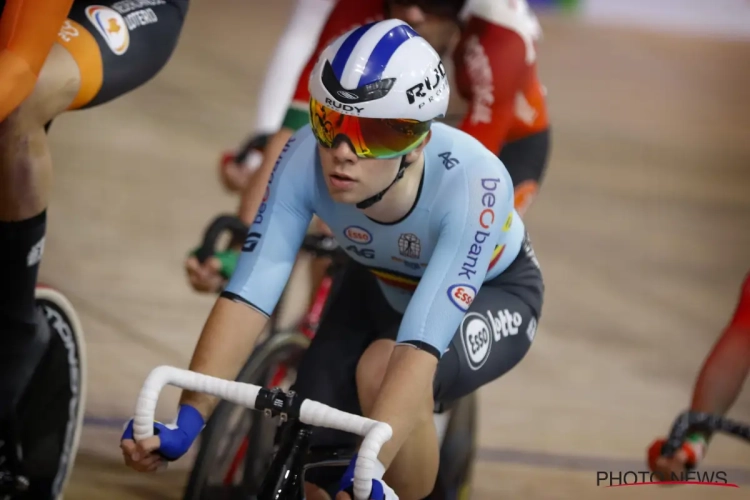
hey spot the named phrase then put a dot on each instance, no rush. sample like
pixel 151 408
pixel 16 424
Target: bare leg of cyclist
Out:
pixel 313 492
pixel 25 337
pixel 25 180
pixel 413 472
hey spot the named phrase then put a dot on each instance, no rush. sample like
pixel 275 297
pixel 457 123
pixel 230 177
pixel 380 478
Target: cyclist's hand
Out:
pixel 237 167
pixel 320 227
pixel 169 442
pixel 235 176
pixel 213 274
pixel 379 491
pixel 688 456
pixel 205 277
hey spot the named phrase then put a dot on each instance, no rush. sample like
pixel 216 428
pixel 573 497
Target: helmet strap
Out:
pixel 374 199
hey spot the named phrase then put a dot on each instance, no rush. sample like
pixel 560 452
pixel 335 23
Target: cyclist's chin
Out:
pixel 350 197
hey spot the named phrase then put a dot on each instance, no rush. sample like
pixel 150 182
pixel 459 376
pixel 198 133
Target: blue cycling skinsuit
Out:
pixel 462 231
pixel 453 277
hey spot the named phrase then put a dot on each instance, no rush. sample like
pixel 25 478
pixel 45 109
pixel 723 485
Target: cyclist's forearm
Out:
pixel 723 373
pixel 253 194
pixel 405 398
pixel 226 342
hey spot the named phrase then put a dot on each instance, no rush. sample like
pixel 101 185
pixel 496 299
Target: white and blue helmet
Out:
pixel 382 70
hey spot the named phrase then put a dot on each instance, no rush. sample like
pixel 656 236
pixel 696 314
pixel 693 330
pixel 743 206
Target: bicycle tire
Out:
pixel 458 452
pixel 280 347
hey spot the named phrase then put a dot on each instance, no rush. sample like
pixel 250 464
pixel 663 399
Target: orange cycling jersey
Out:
pixel 28 29
pixel 495 64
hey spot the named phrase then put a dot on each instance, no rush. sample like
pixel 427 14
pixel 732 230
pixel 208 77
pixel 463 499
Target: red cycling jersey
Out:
pixel 495 64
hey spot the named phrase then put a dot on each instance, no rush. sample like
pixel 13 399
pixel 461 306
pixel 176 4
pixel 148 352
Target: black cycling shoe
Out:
pixel 13 479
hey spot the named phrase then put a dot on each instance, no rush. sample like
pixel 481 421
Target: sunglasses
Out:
pixel 369 137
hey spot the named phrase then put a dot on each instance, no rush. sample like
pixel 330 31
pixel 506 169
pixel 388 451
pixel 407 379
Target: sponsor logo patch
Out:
pixel 486 220
pixel 476 339
pixel 531 330
pixel 111 26
pixel 462 296
pixel 251 242
pixel 358 234
pixel 504 323
pixel 365 253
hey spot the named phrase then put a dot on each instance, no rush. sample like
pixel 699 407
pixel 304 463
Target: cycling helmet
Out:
pixel 379 87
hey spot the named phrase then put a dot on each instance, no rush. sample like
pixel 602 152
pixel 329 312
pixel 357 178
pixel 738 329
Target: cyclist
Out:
pixel 719 383
pixel 55 55
pixel 495 64
pixel 442 292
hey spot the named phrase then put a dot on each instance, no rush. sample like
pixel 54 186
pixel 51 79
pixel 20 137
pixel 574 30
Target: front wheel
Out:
pixel 237 444
pixel 458 452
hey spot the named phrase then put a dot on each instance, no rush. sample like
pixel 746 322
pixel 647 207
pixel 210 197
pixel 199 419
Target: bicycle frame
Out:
pixel 308 326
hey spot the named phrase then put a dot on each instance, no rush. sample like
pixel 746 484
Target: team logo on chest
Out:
pixel 409 246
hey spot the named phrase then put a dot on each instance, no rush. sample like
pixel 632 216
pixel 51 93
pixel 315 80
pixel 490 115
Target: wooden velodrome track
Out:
pixel 642 230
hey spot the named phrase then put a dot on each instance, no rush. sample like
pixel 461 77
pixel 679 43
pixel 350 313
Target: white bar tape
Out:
pixel 366 467
pixel 143 422
pixel 375 433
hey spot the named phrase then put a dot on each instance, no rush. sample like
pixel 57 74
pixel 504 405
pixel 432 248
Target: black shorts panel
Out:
pixel 526 159
pixel 145 36
pixel 494 336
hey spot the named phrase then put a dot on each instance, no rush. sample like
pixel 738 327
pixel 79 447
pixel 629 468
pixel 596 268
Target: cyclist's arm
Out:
pixel 226 342
pixel 472 214
pixel 726 367
pixel 296 117
pixel 292 52
pixel 267 258
pixel 253 193
pixel 496 70
pixel 28 29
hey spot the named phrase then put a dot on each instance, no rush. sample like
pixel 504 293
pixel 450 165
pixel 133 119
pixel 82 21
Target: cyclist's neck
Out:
pixel 401 197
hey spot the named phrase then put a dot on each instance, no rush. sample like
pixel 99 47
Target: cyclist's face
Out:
pixel 437 29
pixel 351 179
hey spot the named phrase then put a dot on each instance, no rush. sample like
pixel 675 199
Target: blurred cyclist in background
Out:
pixel 55 55
pixel 719 383
pixel 494 59
pixel 294 48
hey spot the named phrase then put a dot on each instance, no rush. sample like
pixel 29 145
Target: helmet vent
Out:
pixel 365 93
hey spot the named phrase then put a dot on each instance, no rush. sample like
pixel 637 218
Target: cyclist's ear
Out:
pixel 412 155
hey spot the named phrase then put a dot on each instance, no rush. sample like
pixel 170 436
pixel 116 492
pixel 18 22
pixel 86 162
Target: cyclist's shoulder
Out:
pixel 450 143
pixel 489 21
pixel 300 150
pixel 463 161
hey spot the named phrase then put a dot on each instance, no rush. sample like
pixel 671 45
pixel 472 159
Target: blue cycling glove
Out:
pixel 379 491
pixel 175 439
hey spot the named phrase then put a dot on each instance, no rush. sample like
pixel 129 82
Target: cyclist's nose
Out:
pixel 343 151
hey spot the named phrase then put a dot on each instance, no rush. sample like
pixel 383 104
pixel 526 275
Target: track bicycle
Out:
pixel 237 446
